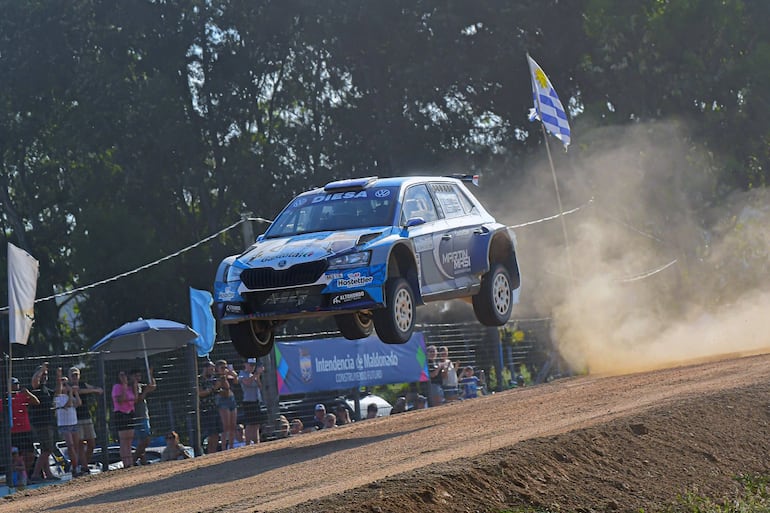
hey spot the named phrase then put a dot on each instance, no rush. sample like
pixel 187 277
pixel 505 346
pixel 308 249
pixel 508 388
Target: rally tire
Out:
pixel 494 302
pixel 251 339
pixel 355 325
pixel 395 322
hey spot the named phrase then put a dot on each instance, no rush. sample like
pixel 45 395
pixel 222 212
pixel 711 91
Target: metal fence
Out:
pixel 174 406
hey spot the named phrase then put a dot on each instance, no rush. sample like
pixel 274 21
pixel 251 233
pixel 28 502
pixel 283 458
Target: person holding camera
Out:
pixel 66 399
pixel 250 379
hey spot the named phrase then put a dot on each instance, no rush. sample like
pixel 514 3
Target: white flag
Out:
pixel 22 283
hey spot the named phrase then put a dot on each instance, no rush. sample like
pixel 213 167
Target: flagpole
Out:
pixel 561 209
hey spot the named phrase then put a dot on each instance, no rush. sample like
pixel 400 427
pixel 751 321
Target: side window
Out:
pixel 418 203
pixel 467 203
pixel 449 200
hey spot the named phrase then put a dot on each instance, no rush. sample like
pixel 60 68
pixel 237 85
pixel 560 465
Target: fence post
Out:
pixel 101 414
pixel 195 421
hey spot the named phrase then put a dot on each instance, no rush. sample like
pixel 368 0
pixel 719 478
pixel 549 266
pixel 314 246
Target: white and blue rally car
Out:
pixel 367 251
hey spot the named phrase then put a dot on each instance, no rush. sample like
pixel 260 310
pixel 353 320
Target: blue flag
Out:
pixel 548 107
pixel 203 320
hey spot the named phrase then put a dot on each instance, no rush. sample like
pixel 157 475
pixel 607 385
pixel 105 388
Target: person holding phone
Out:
pixel 123 399
pixel 66 399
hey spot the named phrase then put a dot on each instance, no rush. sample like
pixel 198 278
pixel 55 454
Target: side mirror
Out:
pixel 415 221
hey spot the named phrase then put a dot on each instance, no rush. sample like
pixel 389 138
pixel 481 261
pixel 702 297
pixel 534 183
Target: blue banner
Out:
pixel 337 363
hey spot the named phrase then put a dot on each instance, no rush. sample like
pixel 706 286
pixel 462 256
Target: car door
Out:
pixel 464 225
pixel 426 237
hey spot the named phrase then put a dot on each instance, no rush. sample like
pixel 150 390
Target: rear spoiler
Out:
pixel 474 179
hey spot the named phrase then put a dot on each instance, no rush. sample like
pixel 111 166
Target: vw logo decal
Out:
pixel 382 193
pixel 282 263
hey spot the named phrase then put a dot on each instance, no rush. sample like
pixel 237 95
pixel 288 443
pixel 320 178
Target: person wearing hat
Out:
pixel 319 415
pixel 250 379
pixel 21 432
pixel 211 423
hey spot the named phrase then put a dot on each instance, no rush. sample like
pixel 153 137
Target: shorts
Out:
pixel 226 403
pixel 122 421
pixel 86 429
pixel 45 436
pixel 252 413
pixel 23 441
pixel 451 393
pixel 435 391
pixel 141 429
pixel 72 428
pixel 211 423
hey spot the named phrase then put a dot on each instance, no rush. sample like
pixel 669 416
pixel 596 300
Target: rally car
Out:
pixel 367 251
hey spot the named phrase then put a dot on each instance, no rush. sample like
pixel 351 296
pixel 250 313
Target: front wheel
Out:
pixel 354 326
pixel 493 304
pixel 252 339
pixel 395 322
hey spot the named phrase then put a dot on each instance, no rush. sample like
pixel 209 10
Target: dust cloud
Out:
pixel 661 267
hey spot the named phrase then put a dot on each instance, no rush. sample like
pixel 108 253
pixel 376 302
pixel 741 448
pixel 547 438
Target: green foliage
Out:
pixel 132 130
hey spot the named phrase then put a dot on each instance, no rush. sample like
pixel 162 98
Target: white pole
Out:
pixel 561 209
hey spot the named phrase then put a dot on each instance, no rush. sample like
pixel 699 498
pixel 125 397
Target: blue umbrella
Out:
pixel 144 337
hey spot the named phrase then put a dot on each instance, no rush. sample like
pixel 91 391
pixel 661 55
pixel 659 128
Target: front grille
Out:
pixel 269 278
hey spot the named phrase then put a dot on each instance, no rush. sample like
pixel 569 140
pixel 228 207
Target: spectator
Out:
pixel 282 427
pixel 250 379
pixel 66 399
pixel 86 430
pixel 142 428
pixel 21 432
pixel 43 424
pixel 174 450
pixel 319 416
pixel 469 384
pixel 211 423
pixel 225 401
pixel 343 415
pixel 420 403
pixel 123 402
pixel 330 421
pixel 435 370
pixel 399 406
pixel 296 427
pixel 19 475
pixel 372 411
pixel 448 375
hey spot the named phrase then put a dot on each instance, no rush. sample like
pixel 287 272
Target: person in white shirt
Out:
pixel 66 399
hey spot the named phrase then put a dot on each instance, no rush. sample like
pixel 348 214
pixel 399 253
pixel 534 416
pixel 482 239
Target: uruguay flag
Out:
pixel 548 108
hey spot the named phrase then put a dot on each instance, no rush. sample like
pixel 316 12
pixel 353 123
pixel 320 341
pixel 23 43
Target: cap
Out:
pixel 15 381
pixel 14 450
pixel 252 361
pixel 209 364
pixel 320 407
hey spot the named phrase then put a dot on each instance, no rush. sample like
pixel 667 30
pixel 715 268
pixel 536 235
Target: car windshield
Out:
pixel 333 211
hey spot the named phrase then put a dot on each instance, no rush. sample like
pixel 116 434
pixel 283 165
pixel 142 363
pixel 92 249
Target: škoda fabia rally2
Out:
pixel 368 251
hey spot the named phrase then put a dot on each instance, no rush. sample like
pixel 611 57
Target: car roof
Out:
pixel 396 181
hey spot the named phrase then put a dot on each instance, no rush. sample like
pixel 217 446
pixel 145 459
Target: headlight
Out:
pixel 233 273
pixel 350 260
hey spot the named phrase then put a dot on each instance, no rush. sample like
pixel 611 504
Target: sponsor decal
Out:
pixel 459 259
pixel 333 276
pixel 382 193
pixel 289 297
pixel 354 280
pixel 234 309
pixel 282 263
pixel 299 202
pixel 227 294
pixel 293 254
pixel 348 297
pixel 339 196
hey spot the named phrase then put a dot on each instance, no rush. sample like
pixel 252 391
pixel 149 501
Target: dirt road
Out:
pixel 607 443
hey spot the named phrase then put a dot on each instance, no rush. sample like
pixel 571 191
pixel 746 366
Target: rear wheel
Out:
pixel 494 301
pixel 354 326
pixel 395 322
pixel 252 339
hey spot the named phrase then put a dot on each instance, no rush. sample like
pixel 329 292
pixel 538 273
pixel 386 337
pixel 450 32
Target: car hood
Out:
pixel 282 253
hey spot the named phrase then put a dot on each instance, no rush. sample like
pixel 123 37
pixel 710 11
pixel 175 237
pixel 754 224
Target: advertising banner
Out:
pixel 338 363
